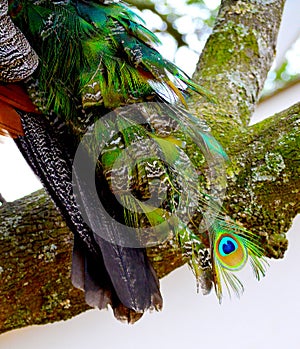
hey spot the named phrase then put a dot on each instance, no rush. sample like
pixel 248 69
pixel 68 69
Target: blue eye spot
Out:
pixel 227 245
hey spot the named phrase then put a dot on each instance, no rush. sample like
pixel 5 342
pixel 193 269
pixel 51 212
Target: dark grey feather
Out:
pixel 108 273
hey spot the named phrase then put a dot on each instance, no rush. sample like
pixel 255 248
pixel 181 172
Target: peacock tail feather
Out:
pixel 101 83
pixel 231 247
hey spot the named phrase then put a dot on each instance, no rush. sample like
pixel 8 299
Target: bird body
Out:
pixel 17 61
pixel 100 86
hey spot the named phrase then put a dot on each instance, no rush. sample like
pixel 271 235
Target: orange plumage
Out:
pixel 12 97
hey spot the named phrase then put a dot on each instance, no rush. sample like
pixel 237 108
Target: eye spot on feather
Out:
pixel 227 245
pixel 231 252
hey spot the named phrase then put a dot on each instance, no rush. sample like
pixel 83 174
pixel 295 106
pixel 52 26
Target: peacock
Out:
pixel 102 119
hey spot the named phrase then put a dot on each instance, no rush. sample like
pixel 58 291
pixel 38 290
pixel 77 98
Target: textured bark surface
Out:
pixel 235 62
pixel 263 178
pixel 35 264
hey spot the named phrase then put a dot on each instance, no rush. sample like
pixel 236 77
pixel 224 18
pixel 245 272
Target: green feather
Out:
pixel 101 53
pixel 95 58
pixel 248 242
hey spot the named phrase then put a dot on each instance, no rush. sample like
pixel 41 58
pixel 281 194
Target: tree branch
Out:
pixel 35 264
pixel 235 62
pixel 35 261
pixel 264 185
pixel 2 200
pixel 264 174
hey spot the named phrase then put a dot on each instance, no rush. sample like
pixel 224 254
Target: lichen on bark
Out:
pixel 235 62
pixel 234 65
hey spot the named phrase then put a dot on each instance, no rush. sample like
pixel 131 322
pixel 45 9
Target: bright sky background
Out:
pixel 266 316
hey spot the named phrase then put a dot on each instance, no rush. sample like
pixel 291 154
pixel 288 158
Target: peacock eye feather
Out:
pixel 230 252
pixel 231 247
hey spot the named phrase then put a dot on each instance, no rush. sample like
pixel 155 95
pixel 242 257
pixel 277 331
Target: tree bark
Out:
pixel 2 200
pixel 263 178
pixel 35 264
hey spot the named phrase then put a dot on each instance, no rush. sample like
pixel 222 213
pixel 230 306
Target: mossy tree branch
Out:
pixel 235 62
pixel 35 264
pixel 263 179
pixel 264 185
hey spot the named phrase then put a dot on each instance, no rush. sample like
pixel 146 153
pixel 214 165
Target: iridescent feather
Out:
pixel 232 246
pixel 96 57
